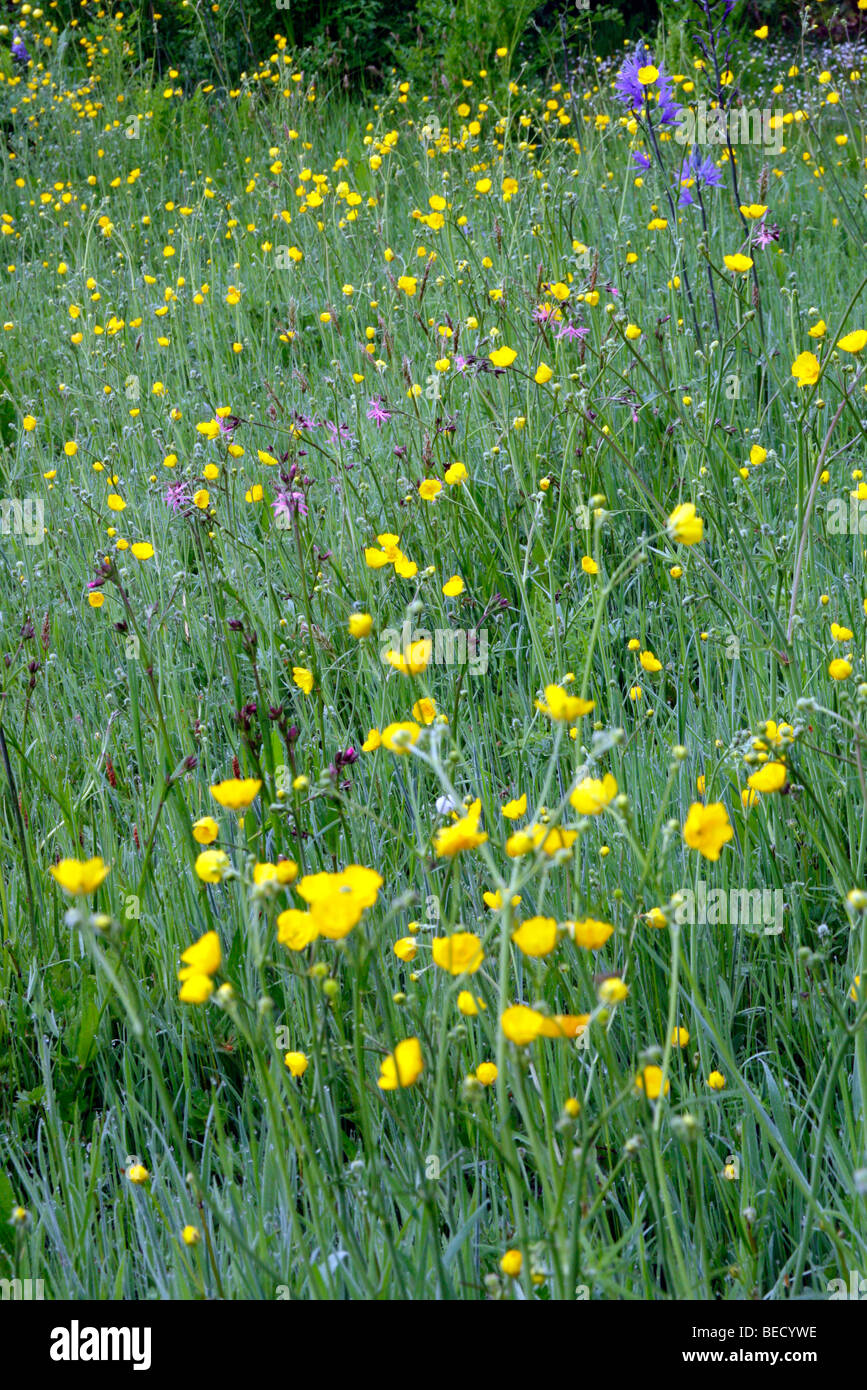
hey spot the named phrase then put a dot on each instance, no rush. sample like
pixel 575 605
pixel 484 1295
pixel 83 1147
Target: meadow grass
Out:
pixel 246 332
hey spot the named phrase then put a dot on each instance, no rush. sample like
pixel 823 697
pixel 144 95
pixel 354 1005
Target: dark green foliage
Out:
pixel 356 42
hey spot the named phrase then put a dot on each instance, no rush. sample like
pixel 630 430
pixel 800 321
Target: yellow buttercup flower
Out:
pixel 460 954
pixel 204 957
pixel 284 872
pixel 840 669
pixel 612 990
pixel 425 711
pixel 805 369
pixel 461 835
pixel 521 1024
pixel 196 989
pixel 854 342
pixel 537 936
pixel 212 865
pixel 201 960
pixel 407 569
pixel 355 878
pixel 564 1025
pixel 375 559
pixel 707 829
pixel 79 877
pixel 403 1067
pixel 337 901
pixel 519 844
pixel 552 841
pixel 650 1082
pixel 296 929
pixel 770 778
pixel 413 661
pixel 738 263
pixel 590 933
pixel 469 1004
pixel 237 793
pixel 205 830
pixel 593 794
pixel 335 914
pixel 399 737
pixel 558 704
pixel 684 525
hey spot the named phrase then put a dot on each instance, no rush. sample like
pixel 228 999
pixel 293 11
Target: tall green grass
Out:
pixel 326 1186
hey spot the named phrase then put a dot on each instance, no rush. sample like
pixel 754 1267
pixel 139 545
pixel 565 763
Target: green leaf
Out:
pixel 7 1202
pixel 88 1025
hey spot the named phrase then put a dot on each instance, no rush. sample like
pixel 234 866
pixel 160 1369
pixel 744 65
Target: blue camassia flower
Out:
pixel 639 79
pixel 696 170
